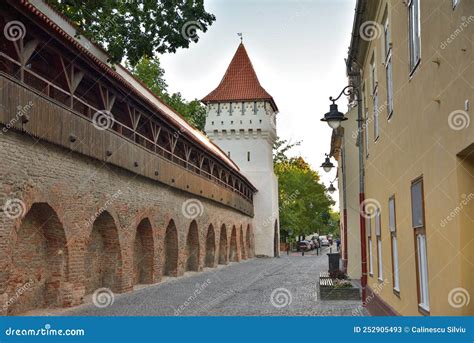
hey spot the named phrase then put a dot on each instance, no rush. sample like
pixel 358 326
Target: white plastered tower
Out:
pixel 241 120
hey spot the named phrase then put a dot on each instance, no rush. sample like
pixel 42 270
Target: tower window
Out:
pixel 228 153
pixel 219 109
pixel 232 122
pixel 250 122
pixel 212 123
pixel 248 156
pixel 254 107
pixel 243 109
pixel 230 109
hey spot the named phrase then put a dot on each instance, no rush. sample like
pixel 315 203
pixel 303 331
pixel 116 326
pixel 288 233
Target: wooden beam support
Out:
pixel 108 98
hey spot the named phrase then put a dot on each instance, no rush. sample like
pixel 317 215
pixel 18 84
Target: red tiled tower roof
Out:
pixel 240 82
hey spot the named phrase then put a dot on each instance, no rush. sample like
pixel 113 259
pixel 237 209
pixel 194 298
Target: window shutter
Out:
pixel 417 204
pixel 391 215
pixel 377 222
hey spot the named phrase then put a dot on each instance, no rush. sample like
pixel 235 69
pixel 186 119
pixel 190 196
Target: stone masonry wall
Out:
pixel 69 226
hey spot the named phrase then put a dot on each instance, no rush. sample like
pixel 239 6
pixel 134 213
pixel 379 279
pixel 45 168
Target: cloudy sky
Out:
pixel 297 48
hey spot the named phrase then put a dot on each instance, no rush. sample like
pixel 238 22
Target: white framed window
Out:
pixel 424 301
pixel 368 230
pixel 378 233
pixel 386 33
pixel 414 36
pixel 373 74
pixel 375 100
pixel 379 259
pixel 388 73
pixel 376 116
pixel 366 121
pixel 371 258
pixel 418 224
pixel 388 64
pixel 396 275
pixel 367 134
pixel 393 232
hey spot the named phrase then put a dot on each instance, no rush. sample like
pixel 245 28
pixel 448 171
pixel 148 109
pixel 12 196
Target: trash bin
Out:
pixel 333 261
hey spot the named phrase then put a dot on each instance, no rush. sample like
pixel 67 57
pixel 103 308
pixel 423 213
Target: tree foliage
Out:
pixel 150 72
pixel 305 206
pixel 138 28
pixel 280 148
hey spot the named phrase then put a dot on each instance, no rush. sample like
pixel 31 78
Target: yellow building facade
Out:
pixel 415 61
pixel 345 150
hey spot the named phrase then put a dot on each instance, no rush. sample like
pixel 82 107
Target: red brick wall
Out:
pixel 210 259
pixel 94 235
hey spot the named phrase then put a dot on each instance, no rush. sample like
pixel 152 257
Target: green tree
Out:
pixel 333 223
pixel 304 202
pixel 150 72
pixel 139 28
pixel 193 111
pixel 280 148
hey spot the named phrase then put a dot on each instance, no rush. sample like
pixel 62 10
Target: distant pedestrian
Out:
pixel 338 244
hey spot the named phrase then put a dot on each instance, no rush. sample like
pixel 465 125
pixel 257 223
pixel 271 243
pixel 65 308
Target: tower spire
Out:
pixel 241 36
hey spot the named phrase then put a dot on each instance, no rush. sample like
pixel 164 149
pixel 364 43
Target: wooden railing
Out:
pixel 74 130
pixel 72 101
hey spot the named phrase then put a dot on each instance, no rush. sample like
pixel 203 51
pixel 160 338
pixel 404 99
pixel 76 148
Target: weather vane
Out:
pixel 241 36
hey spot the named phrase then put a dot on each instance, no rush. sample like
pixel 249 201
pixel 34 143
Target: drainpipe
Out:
pixel 344 199
pixel 355 77
pixel 354 70
pixel 340 135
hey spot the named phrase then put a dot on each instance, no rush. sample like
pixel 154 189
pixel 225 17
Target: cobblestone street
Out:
pixel 239 289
